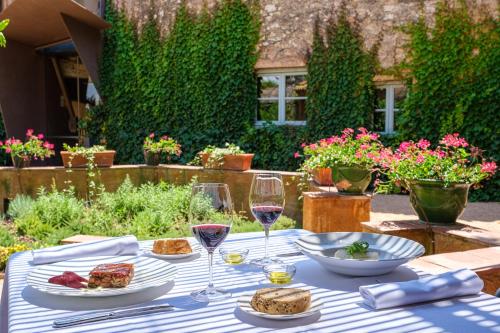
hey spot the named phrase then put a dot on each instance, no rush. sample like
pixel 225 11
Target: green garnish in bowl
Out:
pixel 358 247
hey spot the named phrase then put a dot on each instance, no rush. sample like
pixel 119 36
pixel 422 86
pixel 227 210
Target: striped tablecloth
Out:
pixel 26 310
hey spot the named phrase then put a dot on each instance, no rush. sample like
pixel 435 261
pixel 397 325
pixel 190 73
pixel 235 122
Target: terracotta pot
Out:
pixel 19 162
pixel 152 158
pixel 238 162
pixel 323 176
pixel 102 159
pixel 438 204
pixel 351 180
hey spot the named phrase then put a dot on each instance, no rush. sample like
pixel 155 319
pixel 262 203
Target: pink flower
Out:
pixel 404 146
pixel 364 146
pixel 1 143
pixel 30 132
pixel 374 136
pixel 347 132
pixel 489 167
pixel 453 140
pixel 423 144
pixel 165 137
pixel 303 144
pixel 313 146
pixel 296 155
pixel 8 150
pixel 358 154
pixel 151 135
pixel 420 159
pixel 40 136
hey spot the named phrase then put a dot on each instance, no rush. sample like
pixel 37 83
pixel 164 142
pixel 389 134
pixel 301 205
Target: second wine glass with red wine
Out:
pixel 267 201
pixel 210 216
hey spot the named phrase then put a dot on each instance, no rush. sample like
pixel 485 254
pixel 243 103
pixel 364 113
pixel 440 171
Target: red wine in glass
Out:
pixel 210 216
pixel 210 236
pixel 267 215
pixel 267 200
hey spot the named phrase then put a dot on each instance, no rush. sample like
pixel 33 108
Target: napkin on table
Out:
pixel 123 246
pixel 450 284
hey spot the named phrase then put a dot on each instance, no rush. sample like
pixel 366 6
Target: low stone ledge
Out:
pixel 437 239
pixel 483 261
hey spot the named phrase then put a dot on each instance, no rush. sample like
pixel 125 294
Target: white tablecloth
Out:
pixel 26 310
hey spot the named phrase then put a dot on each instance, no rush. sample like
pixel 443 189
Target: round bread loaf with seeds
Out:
pixel 281 301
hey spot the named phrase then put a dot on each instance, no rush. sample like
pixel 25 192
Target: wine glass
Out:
pixel 267 200
pixel 210 217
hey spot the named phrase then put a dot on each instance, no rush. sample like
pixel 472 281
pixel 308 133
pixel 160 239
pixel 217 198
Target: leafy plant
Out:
pixel 34 147
pixel 165 144
pixel 361 150
pixel 452 161
pixel 20 205
pixel 3 25
pixel 85 151
pixel 216 155
pixel 340 78
pixel 453 77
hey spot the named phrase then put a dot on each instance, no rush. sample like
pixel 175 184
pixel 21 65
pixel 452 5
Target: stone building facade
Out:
pixel 287 25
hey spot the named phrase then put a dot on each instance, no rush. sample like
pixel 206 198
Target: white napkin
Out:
pixel 450 284
pixel 118 246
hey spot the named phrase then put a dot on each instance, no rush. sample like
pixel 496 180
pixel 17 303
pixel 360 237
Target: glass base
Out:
pixel 210 295
pixel 265 261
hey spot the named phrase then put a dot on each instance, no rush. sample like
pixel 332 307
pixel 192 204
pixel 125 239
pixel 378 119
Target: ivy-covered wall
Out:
pixel 453 77
pixel 196 84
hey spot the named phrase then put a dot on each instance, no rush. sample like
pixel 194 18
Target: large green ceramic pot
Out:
pixel 351 180
pixel 436 203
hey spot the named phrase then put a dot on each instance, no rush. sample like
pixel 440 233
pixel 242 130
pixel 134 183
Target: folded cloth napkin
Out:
pixel 117 246
pixel 450 284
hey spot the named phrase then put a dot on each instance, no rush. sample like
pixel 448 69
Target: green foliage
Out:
pixel 274 146
pixel 191 83
pixel 147 211
pixel 3 25
pixel 340 79
pixel 21 205
pixel 454 83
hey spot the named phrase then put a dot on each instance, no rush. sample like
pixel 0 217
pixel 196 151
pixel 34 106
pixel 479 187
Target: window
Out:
pixel 389 99
pixel 282 98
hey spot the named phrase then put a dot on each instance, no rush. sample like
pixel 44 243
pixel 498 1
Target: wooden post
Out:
pixel 331 211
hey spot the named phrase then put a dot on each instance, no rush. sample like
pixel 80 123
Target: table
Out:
pixel 26 310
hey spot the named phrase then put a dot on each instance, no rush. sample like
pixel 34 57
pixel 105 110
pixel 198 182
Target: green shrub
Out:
pixel 147 211
pixel 22 204
pixel 7 238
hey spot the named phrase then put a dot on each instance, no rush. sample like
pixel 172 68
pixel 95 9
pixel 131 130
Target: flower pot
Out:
pixel 436 203
pixel 21 162
pixel 152 158
pixel 102 159
pixel 237 162
pixel 351 180
pixel 323 176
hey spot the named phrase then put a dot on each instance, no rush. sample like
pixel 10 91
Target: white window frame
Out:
pixel 282 98
pixel 389 110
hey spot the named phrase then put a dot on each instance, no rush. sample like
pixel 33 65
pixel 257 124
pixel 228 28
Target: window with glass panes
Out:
pixel 282 98
pixel 389 99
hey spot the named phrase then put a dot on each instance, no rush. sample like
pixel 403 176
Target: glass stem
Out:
pixel 210 270
pixel 266 230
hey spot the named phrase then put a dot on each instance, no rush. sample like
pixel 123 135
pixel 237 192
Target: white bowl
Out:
pixel 393 251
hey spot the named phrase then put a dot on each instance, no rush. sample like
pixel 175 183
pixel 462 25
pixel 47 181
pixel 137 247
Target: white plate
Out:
pixel 148 250
pixel 244 305
pixel 149 273
pixel 393 252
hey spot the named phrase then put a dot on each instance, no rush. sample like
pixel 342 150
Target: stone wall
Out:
pixel 286 32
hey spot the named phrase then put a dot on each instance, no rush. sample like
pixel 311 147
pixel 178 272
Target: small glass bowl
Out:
pixel 233 256
pixel 280 273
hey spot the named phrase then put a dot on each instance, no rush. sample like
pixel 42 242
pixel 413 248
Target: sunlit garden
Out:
pixel 237 165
